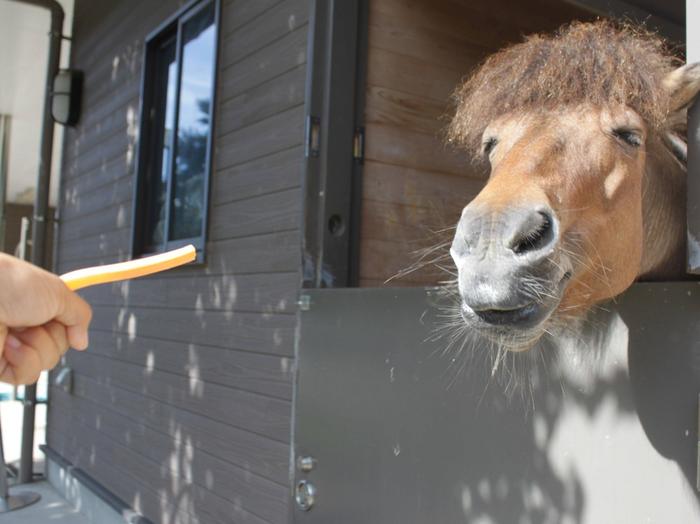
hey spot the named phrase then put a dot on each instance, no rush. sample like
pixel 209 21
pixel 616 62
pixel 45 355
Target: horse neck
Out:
pixel 663 215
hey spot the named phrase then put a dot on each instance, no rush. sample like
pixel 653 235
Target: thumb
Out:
pixel 75 314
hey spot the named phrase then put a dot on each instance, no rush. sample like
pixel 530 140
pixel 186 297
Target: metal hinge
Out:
pixel 358 144
pixel 313 136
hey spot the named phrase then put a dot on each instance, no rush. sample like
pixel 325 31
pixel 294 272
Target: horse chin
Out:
pixel 518 329
pixel 516 337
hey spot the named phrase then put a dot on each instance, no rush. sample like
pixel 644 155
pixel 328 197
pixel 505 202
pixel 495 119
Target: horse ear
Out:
pixel 683 85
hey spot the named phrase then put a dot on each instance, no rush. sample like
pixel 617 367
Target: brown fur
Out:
pixel 598 64
pixel 554 110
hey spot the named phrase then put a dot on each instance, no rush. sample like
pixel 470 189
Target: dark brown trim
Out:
pixel 333 99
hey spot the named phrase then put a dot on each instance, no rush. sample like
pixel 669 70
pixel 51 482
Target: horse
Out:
pixel 583 134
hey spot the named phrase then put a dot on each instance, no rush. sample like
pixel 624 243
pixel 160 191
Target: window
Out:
pixel 176 132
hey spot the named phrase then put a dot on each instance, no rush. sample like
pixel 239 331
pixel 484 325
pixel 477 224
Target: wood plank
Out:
pixel 271 333
pixel 527 17
pixel 111 218
pixel 413 32
pixel 118 28
pixel 266 374
pixel 119 144
pixel 107 244
pixel 383 259
pixel 201 468
pixel 105 82
pixel 277 133
pixel 415 227
pixel 274 96
pixel 122 96
pixel 167 498
pixel 443 20
pixel 280 56
pixel 403 147
pixel 259 454
pixel 134 491
pixel 286 16
pixel 275 172
pixel 250 411
pixel 418 53
pixel 411 75
pixel 277 252
pixel 79 206
pixel 264 293
pixel 405 111
pixel 274 253
pixel 270 213
pixel 90 136
pixel 113 172
pixel 421 188
pixel 176 387
pixel 238 13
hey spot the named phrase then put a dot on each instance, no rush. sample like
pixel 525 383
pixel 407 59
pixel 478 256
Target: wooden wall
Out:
pixel 182 404
pixel 414 186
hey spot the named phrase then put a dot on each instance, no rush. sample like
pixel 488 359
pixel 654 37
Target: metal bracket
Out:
pixel 358 145
pixel 313 136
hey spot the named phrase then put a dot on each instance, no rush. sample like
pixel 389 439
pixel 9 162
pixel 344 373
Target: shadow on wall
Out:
pixel 587 443
pixel 171 417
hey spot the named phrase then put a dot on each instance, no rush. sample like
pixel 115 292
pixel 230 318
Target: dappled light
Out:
pixel 596 429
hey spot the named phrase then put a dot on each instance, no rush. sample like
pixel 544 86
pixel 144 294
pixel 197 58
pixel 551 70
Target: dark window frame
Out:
pixel 148 133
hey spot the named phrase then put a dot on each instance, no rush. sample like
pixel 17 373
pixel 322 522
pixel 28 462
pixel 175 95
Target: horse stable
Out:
pixel 310 366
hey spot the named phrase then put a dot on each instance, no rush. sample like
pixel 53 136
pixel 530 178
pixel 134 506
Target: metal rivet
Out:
pixel 305 495
pixel 304 302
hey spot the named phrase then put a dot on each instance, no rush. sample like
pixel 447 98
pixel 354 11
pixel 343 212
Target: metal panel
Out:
pixel 693 208
pixel 607 434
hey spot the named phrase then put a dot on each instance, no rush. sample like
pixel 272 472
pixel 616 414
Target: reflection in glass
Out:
pixel 198 47
pixel 163 114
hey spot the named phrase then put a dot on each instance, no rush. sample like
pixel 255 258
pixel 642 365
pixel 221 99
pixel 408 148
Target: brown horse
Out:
pixel 582 133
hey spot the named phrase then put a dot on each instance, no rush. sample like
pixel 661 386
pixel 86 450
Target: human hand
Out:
pixel 40 318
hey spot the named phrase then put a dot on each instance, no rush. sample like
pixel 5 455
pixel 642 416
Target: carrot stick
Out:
pixel 141 267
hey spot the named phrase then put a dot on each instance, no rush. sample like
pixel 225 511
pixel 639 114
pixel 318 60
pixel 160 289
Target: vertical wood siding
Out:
pixel 182 404
pixel 414 185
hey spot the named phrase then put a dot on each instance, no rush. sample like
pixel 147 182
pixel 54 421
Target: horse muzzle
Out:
pixel 508 278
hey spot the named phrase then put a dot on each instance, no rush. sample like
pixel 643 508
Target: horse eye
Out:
pixel 489 145
pixel 629 137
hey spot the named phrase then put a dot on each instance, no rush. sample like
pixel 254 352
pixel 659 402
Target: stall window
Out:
pixel 176 132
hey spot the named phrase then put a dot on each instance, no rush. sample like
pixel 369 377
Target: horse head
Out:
pixel 581 133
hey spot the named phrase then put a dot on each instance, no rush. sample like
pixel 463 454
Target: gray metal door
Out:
pixel 608 433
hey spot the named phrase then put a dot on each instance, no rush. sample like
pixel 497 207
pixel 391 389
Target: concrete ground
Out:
pixel 50 509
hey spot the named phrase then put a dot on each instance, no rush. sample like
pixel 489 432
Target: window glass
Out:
pixel 193 125
pixel 174 153
pixel 164 120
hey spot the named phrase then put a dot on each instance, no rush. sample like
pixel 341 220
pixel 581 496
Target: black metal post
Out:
pixel 41 206
pixel 18 500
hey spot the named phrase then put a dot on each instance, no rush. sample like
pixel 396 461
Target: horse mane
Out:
pixel 601 63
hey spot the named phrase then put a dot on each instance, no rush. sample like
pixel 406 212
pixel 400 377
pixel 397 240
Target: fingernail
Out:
pixel 81 340
pixel 13 342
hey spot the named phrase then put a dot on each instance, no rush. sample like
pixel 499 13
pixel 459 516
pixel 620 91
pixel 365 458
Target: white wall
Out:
pixel 24 41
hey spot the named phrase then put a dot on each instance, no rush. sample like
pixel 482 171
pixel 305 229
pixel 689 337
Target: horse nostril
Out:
pixel 537 234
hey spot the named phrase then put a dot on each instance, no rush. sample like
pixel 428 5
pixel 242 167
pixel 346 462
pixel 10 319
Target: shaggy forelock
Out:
pixel 599 63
